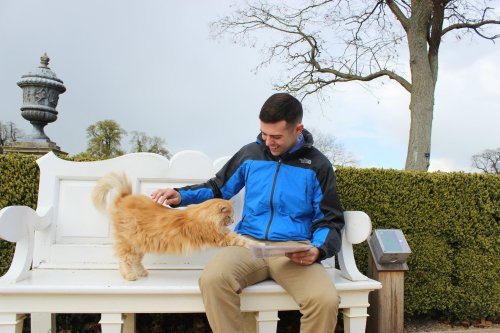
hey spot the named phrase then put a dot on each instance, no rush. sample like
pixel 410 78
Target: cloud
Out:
pixel 446 165
pixel 467 108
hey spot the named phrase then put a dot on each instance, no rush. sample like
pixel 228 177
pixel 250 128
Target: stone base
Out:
pixel 33 148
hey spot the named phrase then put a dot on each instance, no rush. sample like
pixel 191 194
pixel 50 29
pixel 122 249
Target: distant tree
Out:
pixel 9 133
pixel 333 149
pixel 85 156
pixel 142 143
pixel 327 42
pixel 488 161
pixel 104 139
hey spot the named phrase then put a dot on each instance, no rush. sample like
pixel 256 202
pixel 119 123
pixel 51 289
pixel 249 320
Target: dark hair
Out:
pixel 281 106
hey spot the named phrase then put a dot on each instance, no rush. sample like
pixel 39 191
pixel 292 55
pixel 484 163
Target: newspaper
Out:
pixel 265 251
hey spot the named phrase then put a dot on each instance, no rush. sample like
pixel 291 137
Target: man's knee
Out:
pixel 208 279
pixel 217 280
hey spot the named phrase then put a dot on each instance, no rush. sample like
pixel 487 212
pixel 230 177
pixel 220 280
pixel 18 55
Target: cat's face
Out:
pixel 219 211
pixel 224 211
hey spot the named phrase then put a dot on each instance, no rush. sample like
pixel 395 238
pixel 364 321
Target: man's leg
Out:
pixel 313 291
pixel 221 282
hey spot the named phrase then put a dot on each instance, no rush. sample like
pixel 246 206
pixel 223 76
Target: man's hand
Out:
pixel 166 196
pixel 304 257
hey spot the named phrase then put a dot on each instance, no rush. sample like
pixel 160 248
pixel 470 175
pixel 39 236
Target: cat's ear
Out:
pixel 223 208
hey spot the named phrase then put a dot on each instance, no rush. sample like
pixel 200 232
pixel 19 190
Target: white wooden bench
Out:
pixel 64 263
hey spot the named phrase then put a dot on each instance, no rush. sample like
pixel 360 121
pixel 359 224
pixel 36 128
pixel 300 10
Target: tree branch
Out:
pixel 400 16
pixel 473 26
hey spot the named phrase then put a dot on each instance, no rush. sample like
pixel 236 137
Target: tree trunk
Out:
pixel 421 111
pixel 422 98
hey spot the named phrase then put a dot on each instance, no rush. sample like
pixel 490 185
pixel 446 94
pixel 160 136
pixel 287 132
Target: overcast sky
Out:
pixel 152 67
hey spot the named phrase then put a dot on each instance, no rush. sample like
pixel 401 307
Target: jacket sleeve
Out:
pixel 226 183
pixel 329 221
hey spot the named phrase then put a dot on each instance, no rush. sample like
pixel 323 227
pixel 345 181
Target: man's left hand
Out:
pixel 304 257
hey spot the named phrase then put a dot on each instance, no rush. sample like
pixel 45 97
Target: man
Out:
pixel 290 196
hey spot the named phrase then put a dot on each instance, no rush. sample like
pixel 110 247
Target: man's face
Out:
pixel 280 137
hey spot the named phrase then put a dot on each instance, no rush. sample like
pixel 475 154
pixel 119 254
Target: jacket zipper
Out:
pixel 271 199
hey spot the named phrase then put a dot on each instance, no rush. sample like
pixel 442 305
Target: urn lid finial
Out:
pixel 44 61
pixel 42 76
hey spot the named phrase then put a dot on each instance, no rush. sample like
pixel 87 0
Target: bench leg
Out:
pixel 111 322
pixel 11 322
pixel 355 320
pixel 43 322
pixel 266 321
pixel 129 323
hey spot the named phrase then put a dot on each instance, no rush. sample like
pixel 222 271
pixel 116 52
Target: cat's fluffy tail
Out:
pixel 117 182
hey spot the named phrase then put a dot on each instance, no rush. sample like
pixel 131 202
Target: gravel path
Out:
pixel 435 326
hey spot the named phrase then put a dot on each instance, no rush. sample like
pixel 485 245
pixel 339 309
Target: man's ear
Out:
pixel 299 128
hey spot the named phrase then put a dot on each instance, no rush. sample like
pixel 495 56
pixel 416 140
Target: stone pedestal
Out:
pixel 33 148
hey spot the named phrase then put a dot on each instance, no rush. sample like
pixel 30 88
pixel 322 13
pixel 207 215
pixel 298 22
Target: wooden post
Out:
pixel 386 311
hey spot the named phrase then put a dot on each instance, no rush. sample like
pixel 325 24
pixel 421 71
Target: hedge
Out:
pixel 450 220
pixel 18 186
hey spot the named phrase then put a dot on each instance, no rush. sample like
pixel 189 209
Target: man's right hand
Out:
pixel 166 196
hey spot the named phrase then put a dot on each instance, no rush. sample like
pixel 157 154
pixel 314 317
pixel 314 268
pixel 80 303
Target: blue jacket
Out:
pixel 290 197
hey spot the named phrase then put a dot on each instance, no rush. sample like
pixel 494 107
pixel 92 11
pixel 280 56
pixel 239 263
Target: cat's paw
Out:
pixel 253 242
pixel 127 272
pixel 143 273
pixel 130 276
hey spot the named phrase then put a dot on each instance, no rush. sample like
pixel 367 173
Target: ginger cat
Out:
pixel 141 225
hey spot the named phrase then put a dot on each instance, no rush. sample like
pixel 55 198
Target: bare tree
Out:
pixel 325 42
pixel 142 143
pixel 9 133
pixel 488 161
pixel 333 149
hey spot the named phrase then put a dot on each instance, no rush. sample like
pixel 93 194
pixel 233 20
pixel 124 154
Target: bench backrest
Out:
pixel 80 236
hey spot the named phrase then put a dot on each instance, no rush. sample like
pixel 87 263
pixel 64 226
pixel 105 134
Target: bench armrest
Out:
pixel 358 227
pixel 18 225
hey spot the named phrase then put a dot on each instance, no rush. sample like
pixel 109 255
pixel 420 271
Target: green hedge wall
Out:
pixel 18 186
pixel 451 222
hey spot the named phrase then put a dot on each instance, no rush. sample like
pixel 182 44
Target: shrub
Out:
pixel 451 222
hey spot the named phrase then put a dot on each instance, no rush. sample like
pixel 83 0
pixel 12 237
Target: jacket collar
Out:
pixel 305 142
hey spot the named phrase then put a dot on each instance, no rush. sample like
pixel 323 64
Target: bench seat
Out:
pixel 77 291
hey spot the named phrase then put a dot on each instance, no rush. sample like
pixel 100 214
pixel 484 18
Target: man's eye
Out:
pixel 274 137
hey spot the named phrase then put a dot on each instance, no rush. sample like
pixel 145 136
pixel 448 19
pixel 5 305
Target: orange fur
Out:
pixel 141 225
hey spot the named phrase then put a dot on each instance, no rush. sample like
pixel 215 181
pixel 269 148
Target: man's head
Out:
pixel 281 122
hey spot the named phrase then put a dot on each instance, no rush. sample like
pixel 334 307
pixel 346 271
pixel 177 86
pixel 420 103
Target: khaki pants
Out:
pixel 234 268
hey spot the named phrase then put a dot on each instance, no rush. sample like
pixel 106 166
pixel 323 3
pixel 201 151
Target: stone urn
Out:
pixel 41 89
